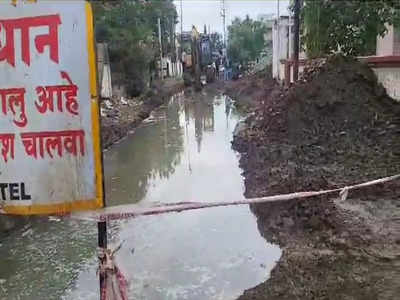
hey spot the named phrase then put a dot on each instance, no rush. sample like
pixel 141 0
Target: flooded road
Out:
pixel 181 153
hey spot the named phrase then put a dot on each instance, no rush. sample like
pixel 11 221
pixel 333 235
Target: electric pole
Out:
pixel 161 54
pixel 278 46
pixel 181 22
pixel 290 47
pixel 223 15
pixel 296 48
pixel 278 9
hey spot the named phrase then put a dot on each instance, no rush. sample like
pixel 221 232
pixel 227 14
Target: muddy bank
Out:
pixel 251 89
pixel 120 116
pixel 335 128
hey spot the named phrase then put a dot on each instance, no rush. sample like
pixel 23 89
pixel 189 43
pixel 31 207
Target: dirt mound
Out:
pixel 336 127
pixel 250 90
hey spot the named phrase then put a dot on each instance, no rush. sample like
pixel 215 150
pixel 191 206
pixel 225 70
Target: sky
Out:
pixel 200 12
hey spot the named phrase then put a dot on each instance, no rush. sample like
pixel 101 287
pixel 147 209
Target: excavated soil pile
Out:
pixel 251 89
pixel 335 128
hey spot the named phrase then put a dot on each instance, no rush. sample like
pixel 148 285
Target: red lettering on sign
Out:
pixel 7 141
pixel 12 98
pixel 7 51
pixel 68 140
pixel 46 96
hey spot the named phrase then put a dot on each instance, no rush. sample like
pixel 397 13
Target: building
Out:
pixel 104 71
pixel 282 45
pixel 390 43
pixel 386 63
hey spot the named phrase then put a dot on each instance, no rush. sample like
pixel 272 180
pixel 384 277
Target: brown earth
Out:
pixel 251 89
pixel 335 128
pixel 122 117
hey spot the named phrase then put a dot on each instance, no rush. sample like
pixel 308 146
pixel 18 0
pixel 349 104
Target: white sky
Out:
pixel 200 12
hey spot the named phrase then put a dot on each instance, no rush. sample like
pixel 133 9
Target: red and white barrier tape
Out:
pixel 115 285
pixel 133 210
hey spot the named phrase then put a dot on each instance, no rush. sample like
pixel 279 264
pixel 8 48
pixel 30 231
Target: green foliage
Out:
pixel 130 29
pixel 217 43
pixel 246 40
pixel 350 27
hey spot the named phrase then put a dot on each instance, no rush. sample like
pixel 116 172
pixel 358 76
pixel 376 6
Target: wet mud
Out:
pixel 121 117
pixel 335 128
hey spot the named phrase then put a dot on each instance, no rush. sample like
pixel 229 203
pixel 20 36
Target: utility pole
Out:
pixel 278 9
pixel 223 15
pixel 296 48
pixel 161 54
pixel 278 46
pixel 181 39
pixel 102 243
pixel 290 44
pixel 181 22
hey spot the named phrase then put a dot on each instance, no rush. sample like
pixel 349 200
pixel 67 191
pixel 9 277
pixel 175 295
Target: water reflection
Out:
pixel 44 258
pixel 182 154
pixel 203 114
pixel 210 254
pixel 152 153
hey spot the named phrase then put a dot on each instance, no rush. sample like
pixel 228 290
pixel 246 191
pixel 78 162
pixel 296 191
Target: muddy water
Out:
pixel 182 153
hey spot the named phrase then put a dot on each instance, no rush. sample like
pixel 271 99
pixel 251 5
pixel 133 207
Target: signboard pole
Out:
pixel 51 156
pixel 102 225
pixel 102 243
pixel 49 126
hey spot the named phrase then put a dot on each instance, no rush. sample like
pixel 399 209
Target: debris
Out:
pixel 108 104
pixel 333 127
pixel 123 101
pixel 344 193
pixel 120 116
pixel 115 285
pixel 27 232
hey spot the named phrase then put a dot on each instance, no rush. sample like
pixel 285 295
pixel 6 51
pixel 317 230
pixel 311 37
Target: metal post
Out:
pixel 296 41
pixel 102 234
pixel 223 14
pixel 101 226
pixel 278 39
pixel 290 44
pixel 102 243
pixel 181 40
pixel 161 54
pixel 278 9
pixel 181 19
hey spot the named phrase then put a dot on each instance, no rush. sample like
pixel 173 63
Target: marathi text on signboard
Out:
pixel 50 157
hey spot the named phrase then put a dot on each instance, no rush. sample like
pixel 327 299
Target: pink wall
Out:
pixel 390 43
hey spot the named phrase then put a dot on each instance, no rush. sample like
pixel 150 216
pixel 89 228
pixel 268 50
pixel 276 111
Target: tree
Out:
pixel 245 40
pixel 130 29
pixel 350 27
pixel 216 40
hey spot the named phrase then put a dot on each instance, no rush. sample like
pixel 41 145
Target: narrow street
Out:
pixel 181 153
pixel 199 150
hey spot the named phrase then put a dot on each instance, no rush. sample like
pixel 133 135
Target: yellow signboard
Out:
pixel 50 154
